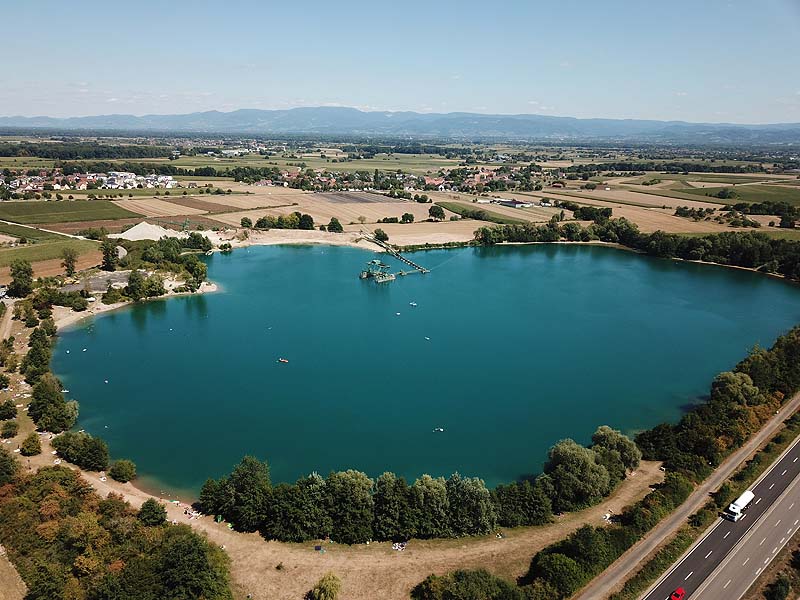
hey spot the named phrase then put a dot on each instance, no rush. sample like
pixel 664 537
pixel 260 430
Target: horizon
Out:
pixel 720 62
pixel 362 110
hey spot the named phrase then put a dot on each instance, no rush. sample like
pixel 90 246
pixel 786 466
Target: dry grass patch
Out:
pixel 53 267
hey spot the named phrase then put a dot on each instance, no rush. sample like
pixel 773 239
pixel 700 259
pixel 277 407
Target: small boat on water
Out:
pixel 412 303
pixel 438 429
pixel 283 360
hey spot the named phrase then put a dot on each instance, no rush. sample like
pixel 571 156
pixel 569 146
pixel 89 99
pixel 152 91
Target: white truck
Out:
pixel 736 509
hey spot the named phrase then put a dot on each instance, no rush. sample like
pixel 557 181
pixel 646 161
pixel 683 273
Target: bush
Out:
pixel 327 588
pixel 9 429
pixel 779 590
pixel 83 450
pixel 7 410
pixel 8 466
pixel 31 445
pixel 123 470
pixel 152 513
pixel 381 235
pixel 472 585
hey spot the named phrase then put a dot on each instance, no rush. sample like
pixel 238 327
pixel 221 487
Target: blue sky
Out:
pixel 731 60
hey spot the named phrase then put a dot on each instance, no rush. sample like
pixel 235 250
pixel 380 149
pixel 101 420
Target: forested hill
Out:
pixel 350 121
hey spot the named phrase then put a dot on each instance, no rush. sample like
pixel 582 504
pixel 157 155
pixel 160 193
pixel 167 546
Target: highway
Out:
pixel 626 565
pixel 696 566
pixel 742 567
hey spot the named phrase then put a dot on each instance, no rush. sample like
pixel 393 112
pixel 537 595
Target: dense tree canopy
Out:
pixel 67 542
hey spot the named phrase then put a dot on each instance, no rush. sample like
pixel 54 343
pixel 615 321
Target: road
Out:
pixel 711 550
pixel 741 568
pixel 620 570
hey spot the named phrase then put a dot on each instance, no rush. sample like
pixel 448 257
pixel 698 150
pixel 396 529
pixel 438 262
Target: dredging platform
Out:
pixel 378 271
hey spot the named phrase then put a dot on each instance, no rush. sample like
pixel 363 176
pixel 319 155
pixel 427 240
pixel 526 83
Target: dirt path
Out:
pixel 613 577
pixel 11 585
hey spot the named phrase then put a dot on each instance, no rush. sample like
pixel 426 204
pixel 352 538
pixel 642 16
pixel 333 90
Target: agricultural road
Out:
pixel 625 566
pixel 768 517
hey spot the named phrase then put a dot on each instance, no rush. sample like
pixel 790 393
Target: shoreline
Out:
pixel 355 241
pixel 65 317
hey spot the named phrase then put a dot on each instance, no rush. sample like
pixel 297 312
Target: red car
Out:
pixel 678 594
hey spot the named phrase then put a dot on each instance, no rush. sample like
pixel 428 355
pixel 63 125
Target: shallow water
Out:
pixel 508 350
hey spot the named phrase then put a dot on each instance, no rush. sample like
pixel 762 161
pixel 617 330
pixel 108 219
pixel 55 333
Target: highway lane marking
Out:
pixel 709 553
pixel 784 472
pixel 689 575
pixel 774 550
pixel 796 522
pixel 727 534
pixel 795 446
pixel 782 540
pixel 772 486
pixel 766 560
pixel 795 460
pixel 762 541
pixel 791 505
pixel 727 584
pixel 746 560
pixel 778 523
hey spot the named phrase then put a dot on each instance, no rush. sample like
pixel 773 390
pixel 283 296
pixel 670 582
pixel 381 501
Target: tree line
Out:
pixel 350 507
pixel 667 166
pixel 749 249
pixel 82 150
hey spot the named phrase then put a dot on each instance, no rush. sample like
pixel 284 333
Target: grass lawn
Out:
pixel 41 211
pixel 752 193
pixel 44 251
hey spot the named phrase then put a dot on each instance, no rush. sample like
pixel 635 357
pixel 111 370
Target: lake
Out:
pixel 508 350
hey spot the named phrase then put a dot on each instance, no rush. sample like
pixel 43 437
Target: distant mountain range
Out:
pixel 350 121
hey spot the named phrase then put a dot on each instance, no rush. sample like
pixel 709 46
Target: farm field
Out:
pixel 408 234
pixel 645 200
pixel 45 250
pixel 535 214
pixel 707 177
pixel 18 231
pixel 37 211
pixel 413 163
pixel 151 207
pixel 755 193
pixel 322 210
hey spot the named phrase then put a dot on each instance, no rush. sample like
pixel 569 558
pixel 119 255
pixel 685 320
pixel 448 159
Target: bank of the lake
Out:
pixel 508 349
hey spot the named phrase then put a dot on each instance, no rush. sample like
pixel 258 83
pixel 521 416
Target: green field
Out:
pixel 18 231
pixel 751 193
pixel 493 217
pixel 40 211
pixel 773 232
pixel 44 251
pixel 704 177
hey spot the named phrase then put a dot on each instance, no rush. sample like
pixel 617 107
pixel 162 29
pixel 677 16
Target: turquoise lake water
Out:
pixel 527 345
